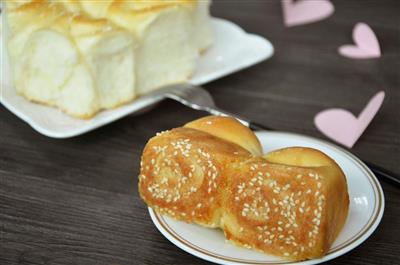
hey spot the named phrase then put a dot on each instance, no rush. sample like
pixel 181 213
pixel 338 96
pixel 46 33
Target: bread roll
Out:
pixel 181 174
pixel 290 203
pixel 85 56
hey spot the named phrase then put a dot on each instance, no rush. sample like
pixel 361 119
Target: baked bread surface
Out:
pixel 291 202
pixel 85 56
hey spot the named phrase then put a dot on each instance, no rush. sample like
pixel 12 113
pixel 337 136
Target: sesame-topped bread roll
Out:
pixel 83 56
pixel 181 174
pixel 290 203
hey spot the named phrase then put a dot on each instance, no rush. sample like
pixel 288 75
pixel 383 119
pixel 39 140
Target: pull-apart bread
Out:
pixel 84 56
pixel 291 202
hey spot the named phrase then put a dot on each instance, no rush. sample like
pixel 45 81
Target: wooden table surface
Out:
pixel 75 201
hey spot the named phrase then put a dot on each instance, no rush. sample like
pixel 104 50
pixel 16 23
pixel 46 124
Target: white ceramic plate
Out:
pixel 365 212
pixel 232 51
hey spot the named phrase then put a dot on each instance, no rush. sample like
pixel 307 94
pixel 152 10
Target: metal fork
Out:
pixel 198 98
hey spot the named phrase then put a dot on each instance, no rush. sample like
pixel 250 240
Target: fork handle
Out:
pixel 258 127
pixel 383 173
pixel 252 125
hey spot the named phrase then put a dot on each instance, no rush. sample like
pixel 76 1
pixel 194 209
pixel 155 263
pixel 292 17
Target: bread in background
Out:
pixel 85 56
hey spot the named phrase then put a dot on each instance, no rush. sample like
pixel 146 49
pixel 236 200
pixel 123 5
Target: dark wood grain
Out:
pixel 75 201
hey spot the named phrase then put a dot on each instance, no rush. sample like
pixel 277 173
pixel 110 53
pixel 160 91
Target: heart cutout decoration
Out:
pixel 305 11
pixel 366 44
pixel 342 126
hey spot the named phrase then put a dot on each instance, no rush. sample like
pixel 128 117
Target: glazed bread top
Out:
pixel 230 130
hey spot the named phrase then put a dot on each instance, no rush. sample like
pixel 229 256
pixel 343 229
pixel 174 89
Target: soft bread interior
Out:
pixel 171 32
pixel 85 56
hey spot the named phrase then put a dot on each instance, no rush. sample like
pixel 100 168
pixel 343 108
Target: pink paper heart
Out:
pixel 341 125
pixel 305 11
pixel 367 45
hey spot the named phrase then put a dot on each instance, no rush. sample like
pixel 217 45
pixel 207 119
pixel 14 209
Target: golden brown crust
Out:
pixel 181 174
pixel 292 202
pixel 230 130
pixel 337 194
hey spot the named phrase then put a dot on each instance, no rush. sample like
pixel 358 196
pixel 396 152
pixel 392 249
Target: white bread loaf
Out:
pixel 85 56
